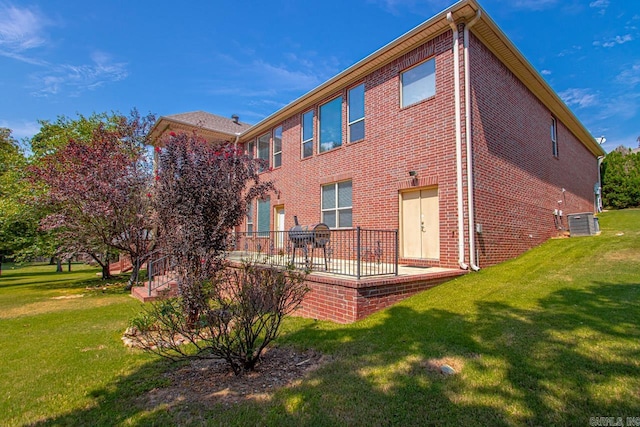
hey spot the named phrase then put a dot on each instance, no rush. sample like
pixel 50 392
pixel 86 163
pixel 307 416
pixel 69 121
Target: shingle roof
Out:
pixel 210 122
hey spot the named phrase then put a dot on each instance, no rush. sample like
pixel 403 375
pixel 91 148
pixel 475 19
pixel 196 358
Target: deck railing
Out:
pixel 160 269
pixel 356 252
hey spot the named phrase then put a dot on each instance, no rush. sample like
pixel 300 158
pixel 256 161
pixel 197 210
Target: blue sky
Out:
pixel 62 57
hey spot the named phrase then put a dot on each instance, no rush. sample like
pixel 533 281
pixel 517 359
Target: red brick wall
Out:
pixel 518 181
pixel 419 137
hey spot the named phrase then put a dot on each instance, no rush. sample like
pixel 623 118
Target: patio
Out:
pixel 352 274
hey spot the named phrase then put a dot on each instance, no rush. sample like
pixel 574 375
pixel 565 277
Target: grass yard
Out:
pixel 551 338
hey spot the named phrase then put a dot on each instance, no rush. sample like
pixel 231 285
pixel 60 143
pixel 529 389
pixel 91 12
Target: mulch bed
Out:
pixel 210 382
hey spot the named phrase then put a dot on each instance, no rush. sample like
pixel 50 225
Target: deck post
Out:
pixel 149 273
pixel 397 251
pixel 358 254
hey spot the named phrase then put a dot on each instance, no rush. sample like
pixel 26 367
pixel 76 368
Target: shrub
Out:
pixel 242 311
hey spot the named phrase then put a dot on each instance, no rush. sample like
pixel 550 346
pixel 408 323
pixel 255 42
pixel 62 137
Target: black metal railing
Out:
pixel 356 252
pixel 160 270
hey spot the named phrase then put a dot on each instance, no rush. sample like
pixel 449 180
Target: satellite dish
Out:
pixel 601 140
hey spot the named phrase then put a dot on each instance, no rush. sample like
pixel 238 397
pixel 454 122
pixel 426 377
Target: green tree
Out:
pixel 96 184
pixel 621 178
pixel 16 225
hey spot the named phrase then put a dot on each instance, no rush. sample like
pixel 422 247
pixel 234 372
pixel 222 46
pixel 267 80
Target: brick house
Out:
pixel 447 134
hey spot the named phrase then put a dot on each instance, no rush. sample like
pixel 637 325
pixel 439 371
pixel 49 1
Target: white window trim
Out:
pixel 337 209
pixel 273 133
pixel 304 141
pixel 319 124
pixel 402 84
pixel 250 222
pixel 268 157
pixel 361 119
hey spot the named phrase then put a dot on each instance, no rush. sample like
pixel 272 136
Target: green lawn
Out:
pixel 551 338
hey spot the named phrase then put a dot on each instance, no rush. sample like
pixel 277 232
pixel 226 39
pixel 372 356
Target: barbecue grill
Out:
pixel 316 236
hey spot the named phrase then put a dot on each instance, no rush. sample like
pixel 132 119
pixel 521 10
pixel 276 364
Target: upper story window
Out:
pixel 307 134
pixel 418 83
pixel 356 113
pixel 330 119
pixel 554 137
pixel 263 148
pixel 336 204
pixel 277 147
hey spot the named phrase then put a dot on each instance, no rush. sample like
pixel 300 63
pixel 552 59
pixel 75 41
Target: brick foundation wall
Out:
pixel 347 300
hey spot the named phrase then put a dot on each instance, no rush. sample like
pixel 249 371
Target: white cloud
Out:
pixel 581 98
pixel 600 4
pixel 21 129
pixel 280 76
pixel 621 107
pixel 20 29
pixel 22 32
pixel 614 41
pixel 421 7
pixel 78 78
pixel 630 76
pixel 545 72
pixel 570 51
pixel 534 4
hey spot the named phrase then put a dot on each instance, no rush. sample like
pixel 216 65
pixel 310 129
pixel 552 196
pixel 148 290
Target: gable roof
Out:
pixel 485 29
pixel 209 124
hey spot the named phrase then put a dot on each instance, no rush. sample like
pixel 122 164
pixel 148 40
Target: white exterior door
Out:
pixel 279 223
pixel 420 218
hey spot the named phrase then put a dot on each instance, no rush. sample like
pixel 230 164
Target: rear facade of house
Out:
pixel 447 134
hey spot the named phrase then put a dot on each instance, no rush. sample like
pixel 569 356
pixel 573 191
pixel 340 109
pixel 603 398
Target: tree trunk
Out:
pixel 135 270
pixel 58 265
pixel 104 265
pixel 69 265
pixel 106 274
pixel 52 260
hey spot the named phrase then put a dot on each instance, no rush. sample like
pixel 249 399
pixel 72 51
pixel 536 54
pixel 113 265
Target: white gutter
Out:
pixel 467 130
pixel 456 79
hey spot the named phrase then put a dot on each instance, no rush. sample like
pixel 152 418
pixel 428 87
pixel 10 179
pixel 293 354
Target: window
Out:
pixel 263 150
pixel 356 113
pixel 307 134
pixel 554 137
pixel 277 147
pixel 251 149
pixel 250 218
pixel 418 83
pixel 330 118
pixel 336 205
pixel 264 219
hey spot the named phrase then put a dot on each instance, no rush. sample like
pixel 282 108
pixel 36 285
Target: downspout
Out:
pixel 456 80
pixel 599 195
pixel 467 131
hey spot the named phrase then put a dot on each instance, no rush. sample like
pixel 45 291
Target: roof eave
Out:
pixel 485 29
pixel 429 29
pixel 165 123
